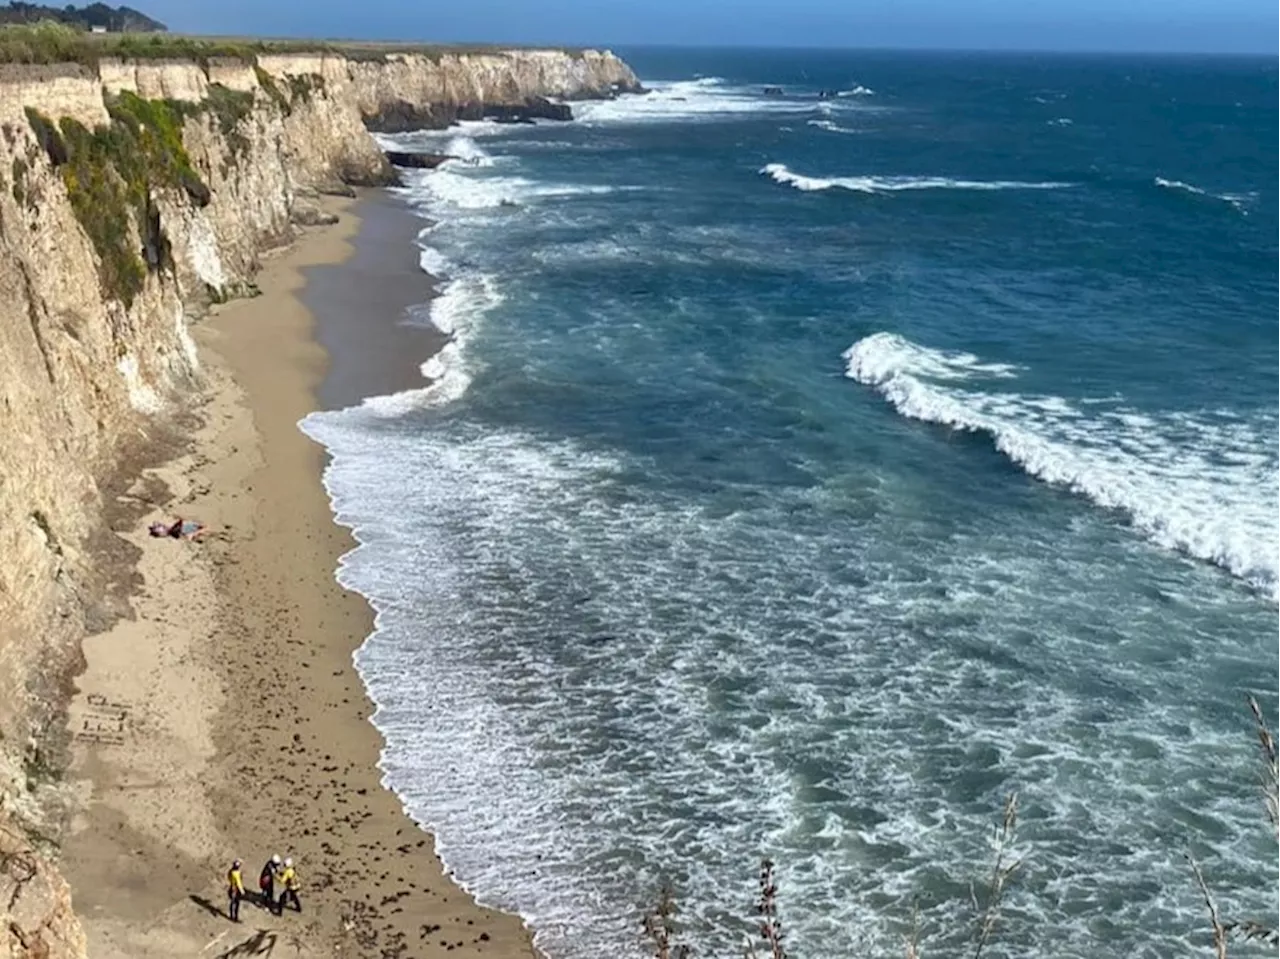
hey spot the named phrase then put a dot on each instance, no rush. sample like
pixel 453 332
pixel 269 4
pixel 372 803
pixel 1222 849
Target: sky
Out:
pixel 1193 26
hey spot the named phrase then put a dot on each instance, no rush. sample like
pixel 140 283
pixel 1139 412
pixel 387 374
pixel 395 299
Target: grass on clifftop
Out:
pixel 109 173
pixel 49 43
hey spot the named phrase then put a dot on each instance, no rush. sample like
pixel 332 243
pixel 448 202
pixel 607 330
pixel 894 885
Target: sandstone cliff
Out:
pixel 131 194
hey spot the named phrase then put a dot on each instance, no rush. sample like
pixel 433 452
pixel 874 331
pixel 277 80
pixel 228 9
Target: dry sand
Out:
pixel 225 719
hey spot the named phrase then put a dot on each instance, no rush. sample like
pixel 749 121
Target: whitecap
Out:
pixel 1198 483
pixel 831 126
pixel 468 151
pixel 685 100
pixel 1239 201
pixel 892 184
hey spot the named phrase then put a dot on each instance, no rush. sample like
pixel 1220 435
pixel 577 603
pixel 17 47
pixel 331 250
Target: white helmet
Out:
pixel 288 862
pixel 276 859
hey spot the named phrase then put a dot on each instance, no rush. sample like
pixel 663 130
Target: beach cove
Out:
pixel 767 465
pixel 168 704
pixel 249 732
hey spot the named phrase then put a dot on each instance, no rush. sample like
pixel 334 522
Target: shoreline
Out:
pixel 226 717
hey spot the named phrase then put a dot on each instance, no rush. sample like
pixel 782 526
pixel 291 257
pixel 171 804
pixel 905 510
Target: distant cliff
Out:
pixel 133 193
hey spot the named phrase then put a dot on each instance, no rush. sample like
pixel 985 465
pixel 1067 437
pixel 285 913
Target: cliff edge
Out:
pixel 134 192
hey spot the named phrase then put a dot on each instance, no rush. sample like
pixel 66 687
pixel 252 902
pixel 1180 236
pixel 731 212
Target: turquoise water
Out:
pixel 806 474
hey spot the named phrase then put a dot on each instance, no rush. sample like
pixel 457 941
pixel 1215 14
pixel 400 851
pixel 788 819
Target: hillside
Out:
pixel 113 19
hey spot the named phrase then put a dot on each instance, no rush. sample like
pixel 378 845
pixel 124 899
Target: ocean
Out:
pixel 805 473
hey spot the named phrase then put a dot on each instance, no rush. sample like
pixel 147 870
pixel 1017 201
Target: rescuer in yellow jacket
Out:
pixel 235 891
pixel 289 880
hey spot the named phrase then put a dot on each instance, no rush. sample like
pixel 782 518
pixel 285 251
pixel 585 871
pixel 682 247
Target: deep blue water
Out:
pixel 807 474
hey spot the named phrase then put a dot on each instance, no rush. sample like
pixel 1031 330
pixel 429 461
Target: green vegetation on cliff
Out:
pixel 229 107
pixel 110 172
pixel 48 42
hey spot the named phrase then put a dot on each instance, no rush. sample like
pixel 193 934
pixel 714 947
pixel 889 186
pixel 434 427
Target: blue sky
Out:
pixel 1234 26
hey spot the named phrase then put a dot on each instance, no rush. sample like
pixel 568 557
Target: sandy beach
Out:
pixel 224 718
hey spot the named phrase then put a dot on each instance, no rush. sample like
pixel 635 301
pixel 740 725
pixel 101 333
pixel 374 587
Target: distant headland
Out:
pixel 96 17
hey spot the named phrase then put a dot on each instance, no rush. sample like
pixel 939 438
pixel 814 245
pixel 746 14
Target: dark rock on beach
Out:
pixel 307 214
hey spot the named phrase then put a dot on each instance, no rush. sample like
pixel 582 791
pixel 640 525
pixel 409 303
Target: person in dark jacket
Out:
pixel 267 882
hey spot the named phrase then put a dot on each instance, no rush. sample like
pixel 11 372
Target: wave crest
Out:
pixel 1239 201
pixel 707 98
pixel 1200 484
pixel 831 126
pixel 893 184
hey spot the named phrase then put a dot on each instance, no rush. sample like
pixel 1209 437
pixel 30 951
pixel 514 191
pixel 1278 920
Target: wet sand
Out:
pixel 365 308
pixel 225 719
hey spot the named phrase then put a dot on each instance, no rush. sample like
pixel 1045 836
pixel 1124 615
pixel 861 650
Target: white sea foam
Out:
pixel 1202 484
pixel 468 151
pixel 621 690
pixel 858 91
pixel 684 100
pixel 462 299
pixel 1239 201
pixel 431 260
pixel 892 184
pixel 831 126
pixel 461 190
pixel 1179 185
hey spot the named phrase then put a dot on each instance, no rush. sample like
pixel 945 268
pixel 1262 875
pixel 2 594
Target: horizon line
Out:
pixel 603 45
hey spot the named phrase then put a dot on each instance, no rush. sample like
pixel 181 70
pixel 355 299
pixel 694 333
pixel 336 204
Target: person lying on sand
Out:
pixel 179 529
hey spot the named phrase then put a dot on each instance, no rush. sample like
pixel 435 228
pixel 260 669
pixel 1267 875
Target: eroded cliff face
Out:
pixel 39 922
pixel 94 306
pixel 412 91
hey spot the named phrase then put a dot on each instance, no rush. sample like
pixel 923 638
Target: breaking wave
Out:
pixel 858 91
pixel 684 100
pixel 831 126
pixel 1199 483
pixel 468 151
pixel 1239 201
pixel 892 184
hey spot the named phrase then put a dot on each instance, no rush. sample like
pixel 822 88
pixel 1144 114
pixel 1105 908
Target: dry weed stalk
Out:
pixel 1219 930
pixel 1247 930
pixel 1252 932
pixel 1001 871
pixel 659 926
pixel 1270 778
pixel 770 924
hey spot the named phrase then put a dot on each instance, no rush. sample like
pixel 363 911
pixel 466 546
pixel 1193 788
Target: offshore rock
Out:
pixel 534 108
pixel 418 161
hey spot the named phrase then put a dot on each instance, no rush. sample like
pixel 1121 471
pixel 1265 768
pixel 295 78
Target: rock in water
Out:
pixel 418 161
pixel 533 108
